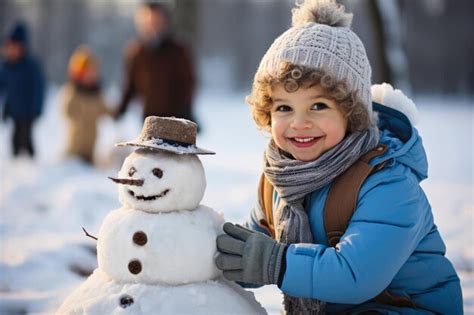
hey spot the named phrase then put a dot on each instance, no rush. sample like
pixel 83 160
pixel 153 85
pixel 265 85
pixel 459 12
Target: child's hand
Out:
pixel 250 257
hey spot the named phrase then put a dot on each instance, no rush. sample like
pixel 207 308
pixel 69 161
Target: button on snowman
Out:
pixel 156 253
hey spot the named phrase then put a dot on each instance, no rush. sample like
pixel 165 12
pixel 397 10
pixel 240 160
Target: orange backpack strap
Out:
pixel 342 197
pixel 265 197
pixel 341 203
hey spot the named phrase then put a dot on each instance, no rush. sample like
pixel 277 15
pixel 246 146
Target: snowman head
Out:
pixel 155 181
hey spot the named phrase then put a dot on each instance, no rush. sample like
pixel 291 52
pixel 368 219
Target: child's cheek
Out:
pixel 336 131
pixel 278 132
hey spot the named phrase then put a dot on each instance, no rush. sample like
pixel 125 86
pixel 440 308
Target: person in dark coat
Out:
pixel 159 69
pixel 22 87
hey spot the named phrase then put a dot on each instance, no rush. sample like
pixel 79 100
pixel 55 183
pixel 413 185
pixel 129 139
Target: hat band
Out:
pixel 176 143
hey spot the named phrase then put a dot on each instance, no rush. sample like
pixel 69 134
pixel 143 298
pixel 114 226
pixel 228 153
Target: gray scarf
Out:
pixel 293 180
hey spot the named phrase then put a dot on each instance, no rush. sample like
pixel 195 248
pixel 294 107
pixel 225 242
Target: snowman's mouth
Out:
pixel 148 198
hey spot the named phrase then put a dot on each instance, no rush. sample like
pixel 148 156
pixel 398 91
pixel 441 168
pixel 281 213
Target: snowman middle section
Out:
pixel 159 248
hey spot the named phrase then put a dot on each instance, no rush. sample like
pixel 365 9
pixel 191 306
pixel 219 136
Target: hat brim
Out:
pixel 161 145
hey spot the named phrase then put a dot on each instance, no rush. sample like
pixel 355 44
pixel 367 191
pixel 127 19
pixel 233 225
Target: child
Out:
pixel 83 104
pixel 312 92
pixel 22 88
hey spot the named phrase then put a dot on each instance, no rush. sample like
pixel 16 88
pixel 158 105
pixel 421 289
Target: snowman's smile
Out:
pixel 148 198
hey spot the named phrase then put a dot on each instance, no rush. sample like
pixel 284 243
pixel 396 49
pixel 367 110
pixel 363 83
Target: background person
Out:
pixel 83 104
pixel 158 69
pixel 23 86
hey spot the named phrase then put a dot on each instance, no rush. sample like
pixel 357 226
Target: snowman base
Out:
pixel 101 295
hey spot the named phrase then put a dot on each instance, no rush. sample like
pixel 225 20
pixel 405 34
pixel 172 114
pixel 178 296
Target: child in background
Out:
pixel 312 92
pixel 22 88
pixel 83 104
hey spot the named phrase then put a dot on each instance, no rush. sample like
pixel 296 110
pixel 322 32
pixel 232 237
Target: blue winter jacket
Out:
pixel 22 88
pixel 391 241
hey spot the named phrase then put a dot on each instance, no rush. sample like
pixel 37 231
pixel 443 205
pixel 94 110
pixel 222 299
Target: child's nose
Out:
pixel 301 122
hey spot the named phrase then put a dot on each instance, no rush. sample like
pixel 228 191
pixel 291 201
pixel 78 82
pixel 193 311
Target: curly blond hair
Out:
pixel 294 77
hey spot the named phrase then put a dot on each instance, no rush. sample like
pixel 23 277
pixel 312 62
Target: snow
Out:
pixel 106 296
pixel 159 144
pixel 44 204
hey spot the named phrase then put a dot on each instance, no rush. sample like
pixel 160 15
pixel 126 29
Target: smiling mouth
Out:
pixel 304 142
pixel 147 198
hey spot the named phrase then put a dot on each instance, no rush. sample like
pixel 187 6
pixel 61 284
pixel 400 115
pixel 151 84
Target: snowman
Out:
pixel 156 253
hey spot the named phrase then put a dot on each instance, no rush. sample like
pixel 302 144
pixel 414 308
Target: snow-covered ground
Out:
pixel 44 203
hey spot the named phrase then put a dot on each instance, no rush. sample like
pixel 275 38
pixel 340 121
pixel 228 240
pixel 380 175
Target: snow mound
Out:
pixel 105 296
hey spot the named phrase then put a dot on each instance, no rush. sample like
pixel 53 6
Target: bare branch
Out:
pixel 87 234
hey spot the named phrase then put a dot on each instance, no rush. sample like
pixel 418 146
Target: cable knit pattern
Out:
pixel 336 49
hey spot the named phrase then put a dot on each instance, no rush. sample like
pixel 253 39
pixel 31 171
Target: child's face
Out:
pixel 12 51
pixel 305 123
pixel 150 23
pixel 90 76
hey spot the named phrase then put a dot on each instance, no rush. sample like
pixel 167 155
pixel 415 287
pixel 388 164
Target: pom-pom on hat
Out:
pixel 81 60
pixel 171 134
pixel 320 37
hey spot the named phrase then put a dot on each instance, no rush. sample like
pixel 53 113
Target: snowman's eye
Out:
pixel 157 172
pixel 132 171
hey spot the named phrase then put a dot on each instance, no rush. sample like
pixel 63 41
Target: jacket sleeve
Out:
pixel 391 218
pixel 2 88
pixel 103 109
pixel 2 78
pixel 38 90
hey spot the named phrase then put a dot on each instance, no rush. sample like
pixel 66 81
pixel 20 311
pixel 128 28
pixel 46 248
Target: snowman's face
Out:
pixel 161 182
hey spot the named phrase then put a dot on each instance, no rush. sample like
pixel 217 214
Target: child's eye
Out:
pixel 319 106
pixel 283 108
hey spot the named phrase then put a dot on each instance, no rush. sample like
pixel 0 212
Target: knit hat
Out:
pixel 81 60
pixel 320 37
pixel 19 33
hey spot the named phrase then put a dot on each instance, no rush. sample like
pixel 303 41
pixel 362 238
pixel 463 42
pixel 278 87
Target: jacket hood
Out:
pixel 402 139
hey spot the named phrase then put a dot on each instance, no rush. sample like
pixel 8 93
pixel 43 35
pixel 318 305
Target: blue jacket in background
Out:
pixel 22 88
pixel 391 241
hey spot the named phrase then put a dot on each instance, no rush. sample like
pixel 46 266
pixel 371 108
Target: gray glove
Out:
pixel 250 257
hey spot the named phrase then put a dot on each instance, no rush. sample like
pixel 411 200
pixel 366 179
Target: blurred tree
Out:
pixel 4 8
pixel 385 73
pixel 439 45
pixel 186 14
pixel 378 23
pixel 391 42
pixel 230 37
